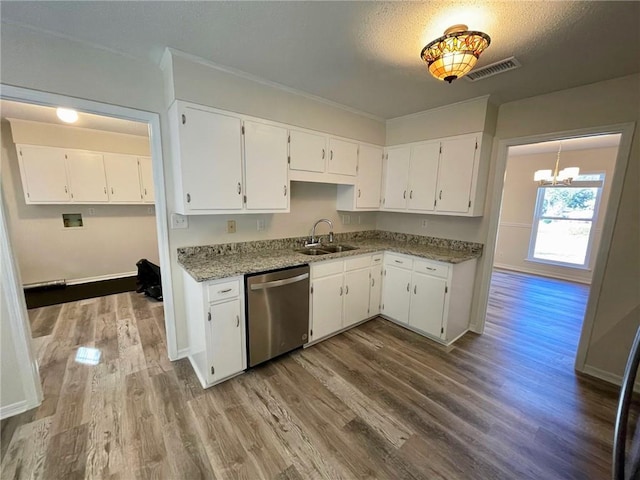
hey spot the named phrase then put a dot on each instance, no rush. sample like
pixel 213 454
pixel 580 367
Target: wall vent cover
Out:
pixel 502 66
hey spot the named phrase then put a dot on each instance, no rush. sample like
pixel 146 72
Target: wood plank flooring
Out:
pixel 375 402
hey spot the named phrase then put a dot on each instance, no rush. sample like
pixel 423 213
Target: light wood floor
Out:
pixel 375 402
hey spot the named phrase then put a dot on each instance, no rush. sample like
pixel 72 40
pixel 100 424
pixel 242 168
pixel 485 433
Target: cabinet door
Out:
pixel 225 339
pixel 307 151
pixel 326 305
pixel 265 154
pixel 146 179
pixel 375 294
pixel 343 157
pixel 44 177
pixel 396 177
pixel 455 174
pixel 368 182
pixel 123 178
pixel 356 296
pixel 396 296
pixel 87 180
pixel 210 160
pixel 423 176
pixel 427 304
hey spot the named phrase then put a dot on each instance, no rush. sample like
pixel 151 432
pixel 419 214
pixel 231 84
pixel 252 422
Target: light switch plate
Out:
pixel 346 219
pixel 179 221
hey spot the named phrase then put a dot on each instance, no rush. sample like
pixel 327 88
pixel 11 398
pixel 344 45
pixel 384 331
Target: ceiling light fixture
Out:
pixel 558 177
pixel 67 115
pixel 455 53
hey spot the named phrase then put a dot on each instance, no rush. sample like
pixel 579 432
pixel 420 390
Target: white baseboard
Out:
pixel 182 353
pixel 100 278
pixel 14 409
pixel 608 376
pixel 532 271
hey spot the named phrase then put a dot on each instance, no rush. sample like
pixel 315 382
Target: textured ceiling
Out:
pixel 364 55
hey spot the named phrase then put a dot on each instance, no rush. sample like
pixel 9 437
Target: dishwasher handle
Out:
pixel 279 283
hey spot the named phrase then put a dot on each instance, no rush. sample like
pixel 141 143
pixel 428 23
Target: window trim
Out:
pixel 599 184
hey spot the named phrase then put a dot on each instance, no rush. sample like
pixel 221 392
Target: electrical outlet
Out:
pixel 92 211
pixel 260 224
pixel 359 219
pixel 231 226
pixel 179 221
pixel 151 210
pixel 424 224
pixel 346 219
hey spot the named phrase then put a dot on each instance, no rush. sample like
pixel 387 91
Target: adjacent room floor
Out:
pixel 375 402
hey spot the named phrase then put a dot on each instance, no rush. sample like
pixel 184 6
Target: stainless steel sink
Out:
pixel 312 251
pixel 338 248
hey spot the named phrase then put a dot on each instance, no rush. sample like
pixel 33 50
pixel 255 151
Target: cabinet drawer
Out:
pixel 354 263
pixel 398 261
pixel 222 291
pixel 431 268
pixel 376 259
pixel 322 269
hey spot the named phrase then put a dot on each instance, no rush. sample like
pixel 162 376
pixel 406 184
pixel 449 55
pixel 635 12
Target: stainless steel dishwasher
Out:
pixel 277 312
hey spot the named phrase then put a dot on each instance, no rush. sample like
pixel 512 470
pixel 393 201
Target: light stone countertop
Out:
pixel 204 265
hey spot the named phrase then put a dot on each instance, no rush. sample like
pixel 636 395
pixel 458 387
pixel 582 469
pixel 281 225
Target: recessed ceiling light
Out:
pixel 67 115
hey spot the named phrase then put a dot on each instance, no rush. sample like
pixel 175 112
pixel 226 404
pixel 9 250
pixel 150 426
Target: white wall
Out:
pixel 599 104
pixel 519 201
pixel 113 238
pixel 11 387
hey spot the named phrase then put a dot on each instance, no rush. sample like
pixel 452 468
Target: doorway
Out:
pixel 595 258
pixel 11 278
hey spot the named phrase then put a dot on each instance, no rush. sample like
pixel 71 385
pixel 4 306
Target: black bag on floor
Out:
pixel 148 280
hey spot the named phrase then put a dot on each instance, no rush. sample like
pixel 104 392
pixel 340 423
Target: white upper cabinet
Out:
pixel 266 175
pixel 444 177
pixel 365 195
pixel 219 170
pixel 208 160
pixel 123 180
pixel 423 175
pixel 44 177
pixel 307 151
pixel 146 179
pixel 455 175
pixel 343 157
pixel 87 182
pixel 65 175
pixel 397 174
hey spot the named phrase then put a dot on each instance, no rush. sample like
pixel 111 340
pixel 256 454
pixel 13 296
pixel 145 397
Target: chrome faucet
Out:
pixel 313 241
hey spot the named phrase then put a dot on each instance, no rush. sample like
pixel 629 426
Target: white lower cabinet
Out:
pixel 417 293
pixel 375 296
pixel 340 295
pixel 216 325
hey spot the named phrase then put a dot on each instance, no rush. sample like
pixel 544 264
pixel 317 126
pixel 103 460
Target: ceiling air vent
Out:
pixel 493 69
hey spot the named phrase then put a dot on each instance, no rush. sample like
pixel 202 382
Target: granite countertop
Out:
pixel 228 260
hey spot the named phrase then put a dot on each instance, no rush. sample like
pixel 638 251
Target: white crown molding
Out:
pixel 435 109
pixel 239 73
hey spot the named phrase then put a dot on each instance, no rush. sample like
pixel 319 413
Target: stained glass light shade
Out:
pixel 455 53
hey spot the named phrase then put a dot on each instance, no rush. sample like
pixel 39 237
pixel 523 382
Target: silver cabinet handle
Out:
pixel 430 268
pixel 408 286
pixel 399 261
pixel 184 119
pixel 331 155
pixel 279 283
pixel 373 282
pixel 111 190
pixel 226 290
pixel 341 291
pixel 359 193
pixel 415 289
pixel 239 188
pixel 105 190
pixel 145 191
pixel 285 190
pixel 404 194
pixel 209 316
pixel 188 198
pixel 346 290
pixel 237 321
pixel 65 189
pixel 440 195
pixel 411 194
pixel 323 153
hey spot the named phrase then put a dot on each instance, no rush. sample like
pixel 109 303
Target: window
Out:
pixel 563 222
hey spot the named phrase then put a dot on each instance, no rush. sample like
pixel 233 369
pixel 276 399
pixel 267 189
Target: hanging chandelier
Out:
pixel 557 177
pixel 455 53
